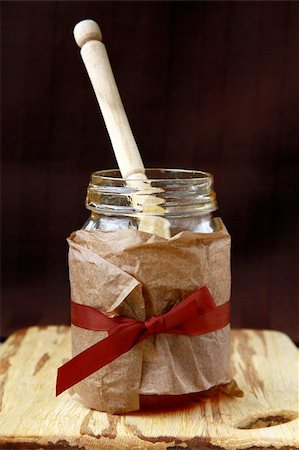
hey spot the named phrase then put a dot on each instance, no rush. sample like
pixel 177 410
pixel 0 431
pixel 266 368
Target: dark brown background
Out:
pixel 206 85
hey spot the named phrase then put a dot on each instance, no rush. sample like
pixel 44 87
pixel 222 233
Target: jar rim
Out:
pixel 169 174
pixel 174 192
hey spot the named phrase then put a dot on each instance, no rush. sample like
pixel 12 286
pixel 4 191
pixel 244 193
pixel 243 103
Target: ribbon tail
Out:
pixel 97 356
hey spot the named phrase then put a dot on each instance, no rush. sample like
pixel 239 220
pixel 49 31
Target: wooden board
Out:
pixel 265 365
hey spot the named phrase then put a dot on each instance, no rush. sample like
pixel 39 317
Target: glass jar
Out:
pixel 140 275
pixel 184 198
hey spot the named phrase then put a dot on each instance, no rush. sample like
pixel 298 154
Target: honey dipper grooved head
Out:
pixel 87 30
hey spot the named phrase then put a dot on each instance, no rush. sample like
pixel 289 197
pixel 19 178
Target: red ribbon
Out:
pixel 196 314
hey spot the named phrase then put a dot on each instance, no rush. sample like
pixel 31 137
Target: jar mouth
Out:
pixel 155 175
pixel 165 192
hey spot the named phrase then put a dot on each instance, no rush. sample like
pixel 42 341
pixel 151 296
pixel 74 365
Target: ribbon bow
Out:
pixel 196 314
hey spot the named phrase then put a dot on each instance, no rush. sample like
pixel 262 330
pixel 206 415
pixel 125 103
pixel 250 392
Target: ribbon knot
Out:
pixel 155 325
pixel 196 314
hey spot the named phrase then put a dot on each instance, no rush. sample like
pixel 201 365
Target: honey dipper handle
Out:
pixel 88 36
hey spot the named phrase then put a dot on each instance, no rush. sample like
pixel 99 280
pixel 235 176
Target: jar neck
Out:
pixel 169 193
pixel 198 224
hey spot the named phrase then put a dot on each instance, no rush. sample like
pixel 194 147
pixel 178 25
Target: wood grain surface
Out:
pixel 265 365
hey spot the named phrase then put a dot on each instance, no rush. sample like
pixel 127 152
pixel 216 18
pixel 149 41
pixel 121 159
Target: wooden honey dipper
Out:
pixel 88 36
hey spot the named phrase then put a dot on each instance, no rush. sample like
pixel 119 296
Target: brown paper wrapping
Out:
pixel 138 275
